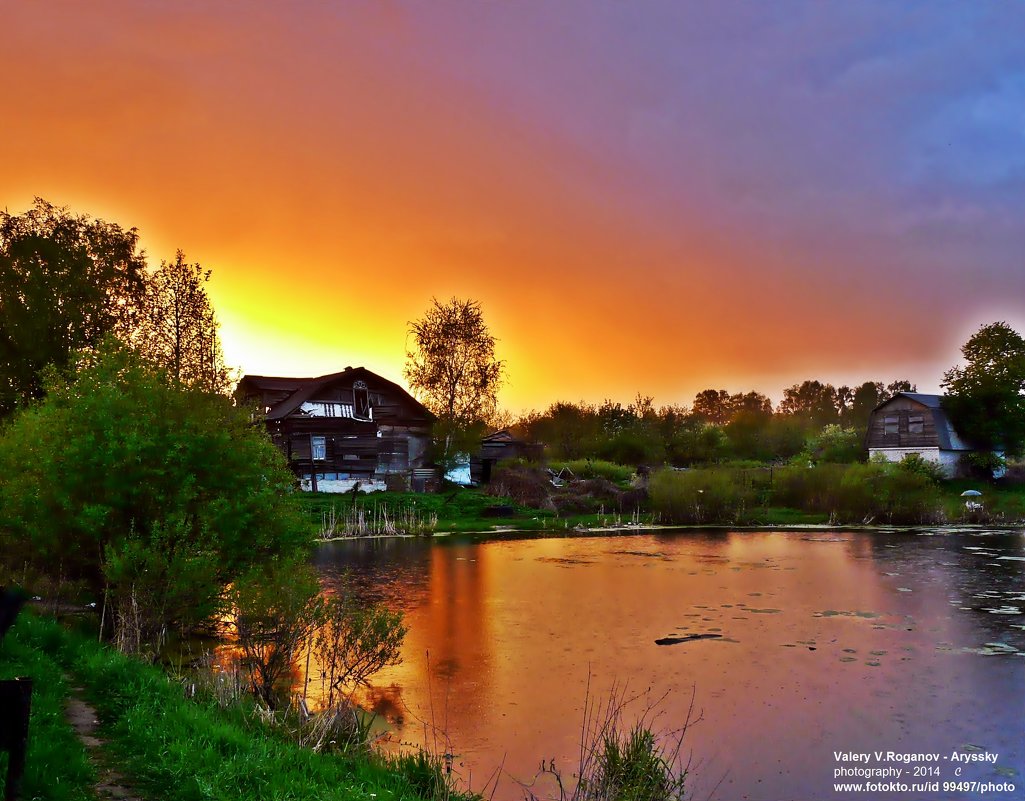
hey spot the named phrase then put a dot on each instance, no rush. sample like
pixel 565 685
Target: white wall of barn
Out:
pixel 947 460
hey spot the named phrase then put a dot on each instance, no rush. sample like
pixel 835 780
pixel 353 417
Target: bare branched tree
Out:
pixel 354 642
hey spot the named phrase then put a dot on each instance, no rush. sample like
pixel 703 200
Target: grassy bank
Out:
pixel 56 766
pixel 468 510
pixel 454 511
pixel 838 494
pixel 169 747
pixel 841 494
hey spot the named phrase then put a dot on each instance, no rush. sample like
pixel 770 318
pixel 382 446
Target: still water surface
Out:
pixel 831 641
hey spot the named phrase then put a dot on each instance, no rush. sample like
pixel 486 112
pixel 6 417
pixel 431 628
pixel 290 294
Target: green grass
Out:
pixel 461 510
pixel 597 468
pixel 171 748
pixel 1003 503
pixel 458 509
pixel 56 766
pixel 784 516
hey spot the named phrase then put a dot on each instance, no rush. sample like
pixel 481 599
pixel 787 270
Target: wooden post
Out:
pixel 15 706
pixel 313 468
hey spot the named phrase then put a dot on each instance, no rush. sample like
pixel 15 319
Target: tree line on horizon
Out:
pixel 452 367
pixel 718 426
pixel 68 283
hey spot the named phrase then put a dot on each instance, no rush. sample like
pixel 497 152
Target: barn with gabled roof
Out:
pixel 916 423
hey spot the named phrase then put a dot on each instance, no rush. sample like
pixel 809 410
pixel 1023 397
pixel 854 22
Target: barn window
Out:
pixel 361 401
pixel 916 425
pixel 891 425
pixel 318 448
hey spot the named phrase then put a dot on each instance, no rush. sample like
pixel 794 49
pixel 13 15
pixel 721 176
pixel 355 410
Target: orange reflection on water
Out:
pixel 821 641
pixel 826 641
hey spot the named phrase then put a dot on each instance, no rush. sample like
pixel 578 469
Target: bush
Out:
pixel 984 464
pixel 915 463
pixel 812 489
pixel 634 769
pixel 596 468
pixel 703 496
pixel 528 486
pixel 861 493
pixel 1015 473
pixel 621 763
pixel 354 642
pixel 276 610
pixel 635 448
pixel 153 495
pixel 835 444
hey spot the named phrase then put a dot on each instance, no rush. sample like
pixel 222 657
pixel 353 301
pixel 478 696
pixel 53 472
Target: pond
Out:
pixel 828 644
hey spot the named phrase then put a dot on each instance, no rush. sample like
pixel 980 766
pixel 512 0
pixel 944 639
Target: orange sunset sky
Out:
pixel 651 196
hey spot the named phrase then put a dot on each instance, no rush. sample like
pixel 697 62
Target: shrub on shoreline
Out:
pixel 851 493
pixel 596 468
pixel 703 496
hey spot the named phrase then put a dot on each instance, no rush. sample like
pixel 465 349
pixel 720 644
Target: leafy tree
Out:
pixel 749 435
pixel 452 368
pixel 712 406
pixel 835 444
pixel 178 328
pixel 863 400
pixel 751 402
pixel 785 436
pixel 812 400
pixel 698 443
pixel 986 396
pixel 570 430
pixel 154 495
pixel 66 282
pixel 900 385
pixel 614 418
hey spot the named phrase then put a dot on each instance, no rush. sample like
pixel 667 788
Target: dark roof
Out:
pixel 500 436
pixel 302 389
pixel 273 383
pixel 932 401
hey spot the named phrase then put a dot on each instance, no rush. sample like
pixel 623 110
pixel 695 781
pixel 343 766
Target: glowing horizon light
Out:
pixel 659 200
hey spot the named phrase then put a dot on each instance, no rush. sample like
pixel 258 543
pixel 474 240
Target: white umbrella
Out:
pixel 970 494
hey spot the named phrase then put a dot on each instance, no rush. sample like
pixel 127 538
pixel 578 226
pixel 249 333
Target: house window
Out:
pixel 891 425
pixel 361 401
pixel 318 448
pixel 916 425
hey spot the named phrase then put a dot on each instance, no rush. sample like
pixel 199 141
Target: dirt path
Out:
pixel 83 720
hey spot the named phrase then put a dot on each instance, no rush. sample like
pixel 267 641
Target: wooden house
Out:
pixel 343 429
pixel 916 423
